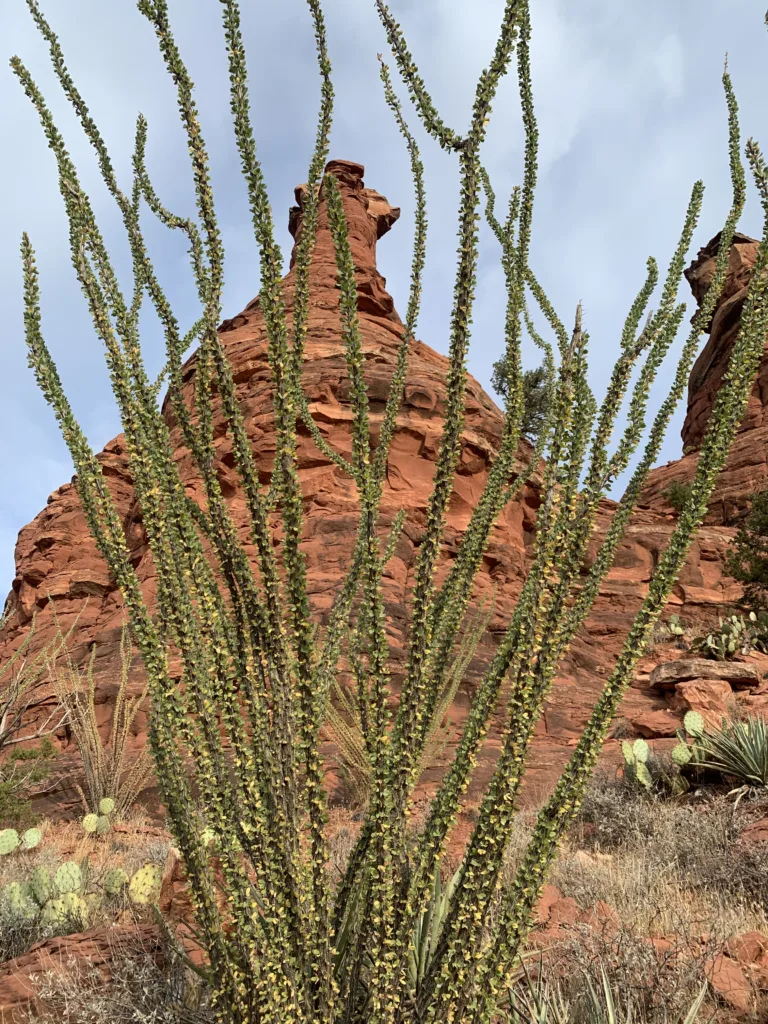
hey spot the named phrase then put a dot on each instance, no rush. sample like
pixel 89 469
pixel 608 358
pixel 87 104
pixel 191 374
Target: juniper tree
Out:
pixel 535 396
pixel 748 557
pixel 236 745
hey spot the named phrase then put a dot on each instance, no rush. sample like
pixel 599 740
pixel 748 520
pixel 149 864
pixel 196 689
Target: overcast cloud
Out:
pixel 630 111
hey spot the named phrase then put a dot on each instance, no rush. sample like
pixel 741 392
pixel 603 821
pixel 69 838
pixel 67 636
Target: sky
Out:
pixel 630 111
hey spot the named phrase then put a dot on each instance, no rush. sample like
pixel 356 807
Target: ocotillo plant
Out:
pixel 237 744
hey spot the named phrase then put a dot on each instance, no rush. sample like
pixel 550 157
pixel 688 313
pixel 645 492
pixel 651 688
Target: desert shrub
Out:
pixel 349 726
pixel 590 997
pixel 748 556
pixel 113 773
pixel 236 747
pixel 596 979
pixel 26 751
pixel 22 770
pixel 678 494
pixel 698 843
pixel 149 984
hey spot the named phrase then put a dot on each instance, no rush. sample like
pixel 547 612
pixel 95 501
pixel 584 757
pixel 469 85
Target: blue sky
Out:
pixel 630 111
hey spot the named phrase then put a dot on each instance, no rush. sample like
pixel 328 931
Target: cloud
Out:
pixel 670 63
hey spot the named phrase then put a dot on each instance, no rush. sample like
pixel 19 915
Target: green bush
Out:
pixel 536 396
pixel 748 557
pixel 22 770
pixel 677 494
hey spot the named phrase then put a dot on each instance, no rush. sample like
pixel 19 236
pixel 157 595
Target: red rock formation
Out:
pixel 56 558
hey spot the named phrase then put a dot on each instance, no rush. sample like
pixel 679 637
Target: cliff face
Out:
pixel 56 558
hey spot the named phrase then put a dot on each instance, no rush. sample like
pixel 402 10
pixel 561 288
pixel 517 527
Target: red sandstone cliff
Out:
pixel 56 557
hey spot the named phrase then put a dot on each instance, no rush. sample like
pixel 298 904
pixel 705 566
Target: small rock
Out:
pixel 655 724
pixel 565 911
pixel 756 832
pixel 729 981
pixel 550 895
pixel 747 948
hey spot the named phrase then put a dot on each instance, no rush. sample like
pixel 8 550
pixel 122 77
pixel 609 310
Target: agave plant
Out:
pixel 236 747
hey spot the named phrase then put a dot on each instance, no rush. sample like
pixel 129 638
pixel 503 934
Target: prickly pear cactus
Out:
pixel 41 886
pixel 9 841
pixel 107 805
pixel 642 774
pixel 90 823
pixel 103 825
pixel 682 754
pixel 641 750
pixel 31 838
pixel 114 881
pixel 145 885
pixel 68 878
pixel 66 911
pixel 694 724
pixel 18 902
pixel 635 757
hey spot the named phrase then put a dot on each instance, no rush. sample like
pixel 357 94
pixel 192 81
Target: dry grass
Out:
pixel 671 870
pixel 146 986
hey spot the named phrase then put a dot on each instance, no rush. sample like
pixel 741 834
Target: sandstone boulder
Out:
pixel 709 697
pixel 670 673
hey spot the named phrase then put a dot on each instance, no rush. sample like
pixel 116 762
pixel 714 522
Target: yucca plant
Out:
pixel 738 750
pixel 236 745
pixel 347 721
pixel 539 1000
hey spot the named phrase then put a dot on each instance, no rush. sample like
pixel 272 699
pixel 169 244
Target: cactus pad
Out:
pixel 626 749
pixel 641 750
pixel 114 880
pixel 41 886
pixel 681 754
pixel 31 838
pixel 694 724
pixel 16 898
pixel 9 840
pixel 65 911
pixel 103 825
pixel 145 884
pixel 107 805
pixel 90 823
pixel 69 878
pixel 643 775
